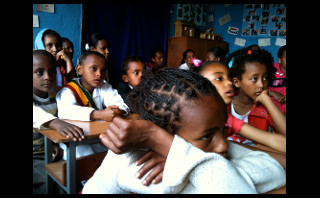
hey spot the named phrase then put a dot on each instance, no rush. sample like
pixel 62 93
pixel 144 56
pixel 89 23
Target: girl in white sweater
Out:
pixel 187 105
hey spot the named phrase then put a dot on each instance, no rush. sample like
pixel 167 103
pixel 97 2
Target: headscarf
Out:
pixel 38 43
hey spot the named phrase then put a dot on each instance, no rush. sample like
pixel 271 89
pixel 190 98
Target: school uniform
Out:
pixel 70 107
pixel 189 170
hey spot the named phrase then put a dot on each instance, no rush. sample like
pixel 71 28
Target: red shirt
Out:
pixel 279 85
pixel 258 117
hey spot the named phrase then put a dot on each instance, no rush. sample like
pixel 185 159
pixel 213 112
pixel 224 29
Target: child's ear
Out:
pixel 236 82
pixel 79 69
pixel 125 78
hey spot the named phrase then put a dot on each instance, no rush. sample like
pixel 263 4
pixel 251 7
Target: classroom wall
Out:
pixel 66 20
pixel 236 14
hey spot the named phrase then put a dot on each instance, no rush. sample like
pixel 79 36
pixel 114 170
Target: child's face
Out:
pixel 52 45
pixel 253 80
pixel 211 57
pixel 158 59
pixel 283 60
pixel 134 73
pixel 202 124
pixel 44 75
pixel 68 46
pixel 102 47
pixel 189 57
pixel 93 71
pixel 219 77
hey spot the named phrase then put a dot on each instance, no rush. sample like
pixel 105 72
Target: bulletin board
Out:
pixel 264 20
pixel 195 13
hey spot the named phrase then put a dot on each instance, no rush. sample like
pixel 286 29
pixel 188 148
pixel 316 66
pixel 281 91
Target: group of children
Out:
pixel 222 98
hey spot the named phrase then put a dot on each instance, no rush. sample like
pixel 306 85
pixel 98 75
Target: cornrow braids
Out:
pixel 159 98
pixel 244 55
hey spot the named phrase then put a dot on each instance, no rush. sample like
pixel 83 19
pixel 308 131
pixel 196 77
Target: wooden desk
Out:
pixel 92 130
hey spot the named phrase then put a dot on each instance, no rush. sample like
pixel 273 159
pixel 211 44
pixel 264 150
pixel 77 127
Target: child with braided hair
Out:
pixel 199 160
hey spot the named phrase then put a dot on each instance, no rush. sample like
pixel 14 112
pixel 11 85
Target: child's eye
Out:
pixel 253 79
pixel 219 78
pixel 206 137
pixel 39 72
pixel 93 68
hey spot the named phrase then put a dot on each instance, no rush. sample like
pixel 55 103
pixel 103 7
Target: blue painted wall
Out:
pixel 236 13
pixel 66 20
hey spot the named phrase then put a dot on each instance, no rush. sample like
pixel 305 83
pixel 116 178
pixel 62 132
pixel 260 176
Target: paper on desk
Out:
pixel 239 41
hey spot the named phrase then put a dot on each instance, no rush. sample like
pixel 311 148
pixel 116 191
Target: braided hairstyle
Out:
pixel 244 55
pixel 158 98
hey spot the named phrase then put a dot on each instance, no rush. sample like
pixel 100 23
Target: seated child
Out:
pixel 216 54
pixel 277 86
pixel 132 69
pixel 90 97
pixel 157 60
pixel 250 72
pixel 187 57
pixel 44 115
pixel 167 100
pixel 218 74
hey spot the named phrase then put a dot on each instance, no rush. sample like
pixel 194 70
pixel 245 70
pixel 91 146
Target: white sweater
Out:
pixel 103 96
pixel 191 170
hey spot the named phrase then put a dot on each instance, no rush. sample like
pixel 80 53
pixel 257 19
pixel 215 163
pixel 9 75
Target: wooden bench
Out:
pixel 85 166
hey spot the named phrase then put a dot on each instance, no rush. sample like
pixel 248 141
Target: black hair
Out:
pixel 87 53
pixel 50 32
pixel 281 50
pixel 95 38
pixel 203 65
pixel 184 55
pixel 155 50
pixel 158 98
pixel 218 52
pixel 127 60
pixel 253 47
pixel 45 53
pixel 242 56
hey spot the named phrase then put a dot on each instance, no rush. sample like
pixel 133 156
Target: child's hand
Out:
pixel 154 161
pixel 70 131
pixel 125 135
pixel 109 113
pixel 64 54
pixel 262 96
pixel 278 96
pixel 66 129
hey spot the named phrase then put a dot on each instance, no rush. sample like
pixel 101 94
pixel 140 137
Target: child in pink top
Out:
pixel 277 86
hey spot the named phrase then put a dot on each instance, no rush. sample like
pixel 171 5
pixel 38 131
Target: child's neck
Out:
pixel 40 94
pixel 87 87
pixel 242 103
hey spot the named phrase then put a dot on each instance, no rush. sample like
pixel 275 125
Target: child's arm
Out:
pixel 43 119
pixel 66 129
pixel 272 140
pixel 277 115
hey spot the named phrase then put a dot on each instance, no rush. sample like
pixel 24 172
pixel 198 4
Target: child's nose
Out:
pixel 221 145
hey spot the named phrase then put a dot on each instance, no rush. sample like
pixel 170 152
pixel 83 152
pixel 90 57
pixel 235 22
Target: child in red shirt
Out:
pixel 250 72
pixel 277 86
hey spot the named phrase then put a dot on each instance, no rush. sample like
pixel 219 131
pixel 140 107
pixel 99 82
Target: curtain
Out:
pixel 132 29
